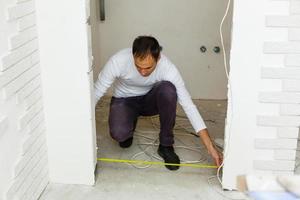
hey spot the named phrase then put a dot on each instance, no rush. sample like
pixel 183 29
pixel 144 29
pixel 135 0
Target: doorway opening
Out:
pixel 190 37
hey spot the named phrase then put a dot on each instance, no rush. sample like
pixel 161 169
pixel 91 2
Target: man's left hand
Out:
pixel 217 156
pixel 212 151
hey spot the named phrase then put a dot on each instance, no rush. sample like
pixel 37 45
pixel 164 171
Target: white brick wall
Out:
pixel 280 143
pixel 281 121
pixel 285 154
pixel 281 73
pixel 16 56
pixel 291 85
pixel 282 47
pixel 288 132
pixel 279 97
pixel 292 60
pixel 283 21
pixel 264 77
pixel 295 7
pixel 290 109
pixel 23 37
pixel 20 10
pixel 274 165
pixel 294 34
pixel 24 174
pixel 287 120
pixel 26 21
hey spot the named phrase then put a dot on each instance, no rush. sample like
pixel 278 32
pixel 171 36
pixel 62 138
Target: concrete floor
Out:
pixel 124 181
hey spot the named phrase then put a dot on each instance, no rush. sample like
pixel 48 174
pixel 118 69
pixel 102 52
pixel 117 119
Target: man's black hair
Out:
pixel 145 45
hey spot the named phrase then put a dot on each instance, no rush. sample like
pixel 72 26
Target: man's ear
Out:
pixel 160 48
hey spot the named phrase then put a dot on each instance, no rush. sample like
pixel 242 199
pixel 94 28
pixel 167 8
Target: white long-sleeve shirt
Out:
pixel 121 70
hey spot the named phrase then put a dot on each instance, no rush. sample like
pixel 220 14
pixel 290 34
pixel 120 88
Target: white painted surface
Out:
pixel 257 98
pixel 23 150
pixel 275 143
pixel 244 79
pixel 288 132
pixel 67 90
pixel 293 60
pixel 290 109
pixel 294 34
pixel 285 154
pixel 181 28
pixel 274 165
pixel 291 85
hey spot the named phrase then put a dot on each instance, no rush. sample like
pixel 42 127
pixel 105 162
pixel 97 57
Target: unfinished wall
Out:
pixel 23 152
pixel 263 113
pixel 181 27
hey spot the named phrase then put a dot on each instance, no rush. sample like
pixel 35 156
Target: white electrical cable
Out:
pixel 222 40
pixel 182 124
pixel 230 103
pixel 154 143
pixel 230 90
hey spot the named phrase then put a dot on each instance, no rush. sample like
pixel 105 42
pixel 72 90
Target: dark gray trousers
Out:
pixel 161 100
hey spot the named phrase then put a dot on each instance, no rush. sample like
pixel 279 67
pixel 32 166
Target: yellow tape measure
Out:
pixel 155 163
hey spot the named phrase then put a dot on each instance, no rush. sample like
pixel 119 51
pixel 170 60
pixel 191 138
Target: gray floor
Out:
pixel 124 181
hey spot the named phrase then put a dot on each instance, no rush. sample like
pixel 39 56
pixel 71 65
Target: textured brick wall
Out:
pixel 22 127
pixel 286 123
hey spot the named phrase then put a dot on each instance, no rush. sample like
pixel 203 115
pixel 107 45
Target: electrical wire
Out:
pixel 222 40
pixel 230 104
pixel 182 124
pixel 155 142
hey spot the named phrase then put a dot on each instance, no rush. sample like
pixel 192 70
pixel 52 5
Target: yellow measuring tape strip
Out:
pixel 155 163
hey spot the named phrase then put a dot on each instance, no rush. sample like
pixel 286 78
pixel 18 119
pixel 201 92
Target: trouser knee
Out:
pixel 167 92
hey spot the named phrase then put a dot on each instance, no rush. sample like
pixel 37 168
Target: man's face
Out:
pixel 145 66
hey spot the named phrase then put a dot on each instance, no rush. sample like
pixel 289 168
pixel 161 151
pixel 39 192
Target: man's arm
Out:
pixel 206 140
pixel 105 79
pixel 192 112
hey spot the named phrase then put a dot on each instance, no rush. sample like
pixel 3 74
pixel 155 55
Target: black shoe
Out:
pixel 169 156
pixel 127 143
